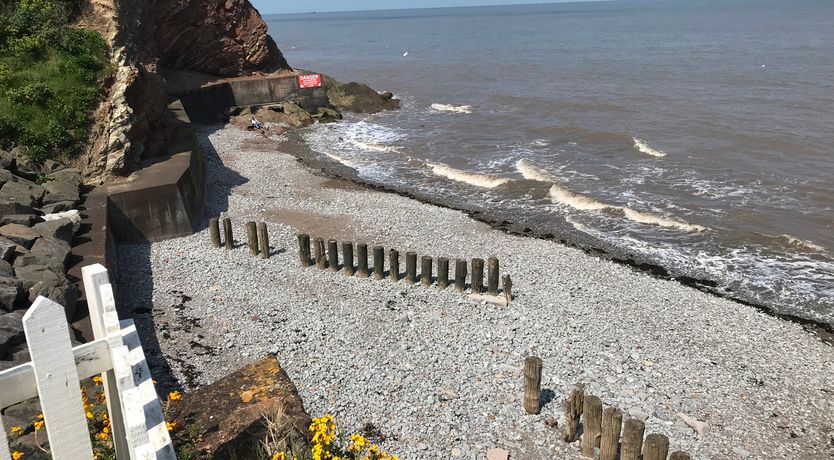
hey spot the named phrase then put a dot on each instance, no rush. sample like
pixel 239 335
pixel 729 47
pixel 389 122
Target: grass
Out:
pixel 51 77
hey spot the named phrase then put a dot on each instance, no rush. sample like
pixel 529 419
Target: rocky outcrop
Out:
pixel 219 37
pixel 358 97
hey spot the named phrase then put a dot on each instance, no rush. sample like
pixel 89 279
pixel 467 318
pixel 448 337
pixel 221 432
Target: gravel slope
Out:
pixel 440 373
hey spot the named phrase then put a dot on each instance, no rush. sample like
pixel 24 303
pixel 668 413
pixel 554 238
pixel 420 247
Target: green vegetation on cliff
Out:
pixel 50 76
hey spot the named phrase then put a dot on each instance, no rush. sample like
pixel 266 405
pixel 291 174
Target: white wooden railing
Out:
pixel 54 374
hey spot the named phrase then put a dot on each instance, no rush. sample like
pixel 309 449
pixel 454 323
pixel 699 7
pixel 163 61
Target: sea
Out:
pixel 695 136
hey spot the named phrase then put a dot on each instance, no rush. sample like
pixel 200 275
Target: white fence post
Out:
pixel 47 334
pixel 95 276
pixel 4 443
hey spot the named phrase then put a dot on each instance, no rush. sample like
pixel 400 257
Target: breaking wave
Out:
pixel 452 108
pixel 478 180
pixel 344 161
pixel 644 147
pixel 532 172
pixel 375 147
pixel 561 195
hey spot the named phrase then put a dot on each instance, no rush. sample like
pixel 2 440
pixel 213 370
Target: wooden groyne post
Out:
pixel 460 275
pixel 379 257
pixel 425 270
pixel 612 423
pixel 442 272
pixel 592 425
pixel 477 276
pixel 214 232
pixel 493 276
pixel 655 447
pixel 304 250
pixel 632 443
pixel 362 260
pixel 410 267
pixel 573 411
pixel 227 234
pixel 347 258
pixel 318 247
pixel 252 238
pixel 263 240
pixel 332 255
pixel 532 384
pixel 394 265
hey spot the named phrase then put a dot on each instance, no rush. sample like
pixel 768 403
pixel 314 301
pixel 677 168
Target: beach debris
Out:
pixel 405 54
pixel 497 454
pixel 702 428
pixel 493 299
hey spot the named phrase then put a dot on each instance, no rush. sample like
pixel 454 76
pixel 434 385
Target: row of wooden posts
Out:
pixel 601 429
pixel 328 258
pixel 257 236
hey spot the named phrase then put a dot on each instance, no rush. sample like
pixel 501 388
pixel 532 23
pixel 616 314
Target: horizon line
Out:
pixel 437 7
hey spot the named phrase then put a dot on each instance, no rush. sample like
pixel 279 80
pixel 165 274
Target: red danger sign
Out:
pixel 309 81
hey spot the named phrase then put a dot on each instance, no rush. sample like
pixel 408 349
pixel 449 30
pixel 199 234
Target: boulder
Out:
pixel 13 207
pixel 19 354
pixel 62 228
pixel 357 97
pixel 6 269
pixel 59 191
pixel 6 176
pixel 60 291
pixel 11 332
pixel 61 206
pixel 7 249
pixel 21 192
pixel 7 161
pixel 54 251
pixel 327 115
pixel 11 293
pixel 51 166
pixel 28 259
pixel 24 165
pixel 30 275
pixel 20 234
pixel 228 415
pixel 69 175
pixel 22 219
pixel 296 116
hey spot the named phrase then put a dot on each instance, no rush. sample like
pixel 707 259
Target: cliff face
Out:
pixel 218 37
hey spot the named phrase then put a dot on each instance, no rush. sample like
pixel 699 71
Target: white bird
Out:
pixel 405 54
pixel 763 66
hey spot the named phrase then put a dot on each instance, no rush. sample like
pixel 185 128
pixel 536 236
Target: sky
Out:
pixel 285 6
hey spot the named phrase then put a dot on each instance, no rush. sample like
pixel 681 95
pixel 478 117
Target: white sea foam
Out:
pixel 452 108
pixel 561 195
pixel 374 147
pixel 807 244
pixel 342 160
pixel 644 147
pixel 533 172
pixel 478 180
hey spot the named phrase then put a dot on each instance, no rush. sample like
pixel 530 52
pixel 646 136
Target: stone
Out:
pixel 23 193
pixel 68 175
pixel 61 292
pixel 22 219
pixel 19 354
pixel 30 275
pixel 24 165
pixel 53 250
pixel 11 332
pixel 357 97
pixel 13 207
pixel 6 269
pixel 20 234
pixel 229 425
pixel 58 191
pixel 11 293
pixel 7 249
pixel 62 229
pixel 28 259
pixel 50 166
pixel 6 176
pixel 61 206
pixel 497 454
pixel 327 115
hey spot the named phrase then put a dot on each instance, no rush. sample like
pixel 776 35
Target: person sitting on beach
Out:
pixel 255 124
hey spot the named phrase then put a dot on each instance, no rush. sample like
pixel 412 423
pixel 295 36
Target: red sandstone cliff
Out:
pixel 218 37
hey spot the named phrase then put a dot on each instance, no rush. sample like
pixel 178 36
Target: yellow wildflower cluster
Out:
pixel 326 445
pixel 17 455
pixel 174 396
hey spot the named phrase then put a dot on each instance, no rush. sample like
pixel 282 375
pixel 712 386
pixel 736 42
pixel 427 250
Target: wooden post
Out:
pixel 477 276
pixel 332 255
pixel 632 443
pixel 679 456
pixel 612 424
pixel 425 270
pixel 394 265
pixel 263 240
pixel 318 247
pixel 592 425
pixel 493 276
pixel 656 447
pixel 214 231
pixel 460 275
pixel 252 238
pixel 379 256
pixel 442 272
pixel 507 282
pixel 410 267
pixel 304 250
pixel 347 258
pixel 227 234
pixel 532 384
pixel 362 260
pixel 573 411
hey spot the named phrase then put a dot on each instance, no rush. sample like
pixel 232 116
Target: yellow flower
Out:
pixel 97 379
pixel 40 416
pixel 89 415
pixel 174 396
pixel 279 456
pixel 38 425
pixel 357 443
pixel 102 436
pixel 16 430
pixel 171 425
pixel 17 455
pixel 100 396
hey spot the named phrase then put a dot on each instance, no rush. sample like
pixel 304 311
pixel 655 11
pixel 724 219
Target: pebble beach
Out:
pixel 440 373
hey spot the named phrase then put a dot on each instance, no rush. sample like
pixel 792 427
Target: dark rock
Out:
pixel 31 275
pixel 11 293
pixel 27 259
pixel 7 249
pixel 387 95
pixel 22 219
pixel 19 354
pixel 23 193
pixel 53 250
pixel 229 414
pixel 51 166
pixel 25 167
pixel 6 269
pixel 62 292
pixel 7 161
pixel 60 206
pixel 20 234
pixel 357 97
pixel 11 332
pixel 6 365
pixel 13 207
pixel 6 176
pixel 69 175
pixel 59 191
pixel 62 229
pixel 327 115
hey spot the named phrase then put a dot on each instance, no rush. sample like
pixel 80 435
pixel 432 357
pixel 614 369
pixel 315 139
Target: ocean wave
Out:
pixel 532 172
pixel 374 147
pixel 478 180
pixel 342 160
pixel 789 241
pixel 644 147
pixel 452 108
pixel 561 195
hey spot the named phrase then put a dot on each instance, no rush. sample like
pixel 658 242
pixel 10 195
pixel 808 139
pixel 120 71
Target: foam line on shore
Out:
pixel 644 147
pixel 532 172
pixel 478 180
pixel 374 147
pixel 344 161
pixel 452 108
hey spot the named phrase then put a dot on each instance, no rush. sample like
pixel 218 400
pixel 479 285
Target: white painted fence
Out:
pixel 54 374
